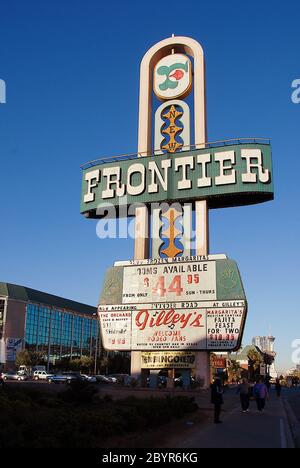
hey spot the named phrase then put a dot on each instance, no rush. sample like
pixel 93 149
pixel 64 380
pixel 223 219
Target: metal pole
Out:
pixel 98 343
pixel 99 338
pixel 96 349
pixel 72 337
pixel 81 335
pixel 38 327
pixel 141 251
pixel 49 342
pixel 61 334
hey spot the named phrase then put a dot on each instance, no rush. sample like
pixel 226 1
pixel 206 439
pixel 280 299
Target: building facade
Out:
pixel 266 345
pixel 51 325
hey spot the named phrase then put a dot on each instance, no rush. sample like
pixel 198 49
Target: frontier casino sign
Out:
pixel 238 175
pixel 174 303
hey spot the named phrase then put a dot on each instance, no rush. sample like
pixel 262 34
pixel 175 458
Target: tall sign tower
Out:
pixel 174 303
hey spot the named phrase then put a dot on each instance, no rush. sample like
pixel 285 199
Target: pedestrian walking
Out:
pixel 217 399
pixel 244 391
pixel 261 394
pixel 278 388
pixel 268 383
pixel 251 385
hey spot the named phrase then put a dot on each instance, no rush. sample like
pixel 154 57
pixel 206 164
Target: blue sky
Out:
pixel 72 73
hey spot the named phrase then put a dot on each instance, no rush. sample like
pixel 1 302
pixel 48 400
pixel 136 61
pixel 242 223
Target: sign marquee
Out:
pixel 116 329
pixel 174 261
pixel 168 360
pixel 218 362
pixel 169 282
pixel 190 305
pixel 241 174
pixel 154 327
pixel 220 275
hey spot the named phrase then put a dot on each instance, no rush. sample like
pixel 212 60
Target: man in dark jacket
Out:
pixel 217 398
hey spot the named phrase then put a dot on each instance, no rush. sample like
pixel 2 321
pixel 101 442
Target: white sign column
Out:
pixel 151 58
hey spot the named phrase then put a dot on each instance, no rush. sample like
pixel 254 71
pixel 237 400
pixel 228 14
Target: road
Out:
pixel 238 430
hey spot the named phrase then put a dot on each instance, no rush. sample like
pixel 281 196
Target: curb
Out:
pixel 293 424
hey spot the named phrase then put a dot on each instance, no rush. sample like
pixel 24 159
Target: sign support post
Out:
pixel 151 58
pixel 141 252
pixel 202 368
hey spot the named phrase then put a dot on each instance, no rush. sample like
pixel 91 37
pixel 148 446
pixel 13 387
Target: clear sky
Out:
pixel 72 71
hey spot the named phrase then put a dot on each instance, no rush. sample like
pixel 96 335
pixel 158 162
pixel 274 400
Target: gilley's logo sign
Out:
pixel 168 318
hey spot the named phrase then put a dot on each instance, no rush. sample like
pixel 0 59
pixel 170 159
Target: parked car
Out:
pixel 72 376
pixel 118 378
pixel 102 379
pixel 89 378
pixel 65 377
pixel 112 379
pixel 57 378
pixel 41 375
pixel 14 376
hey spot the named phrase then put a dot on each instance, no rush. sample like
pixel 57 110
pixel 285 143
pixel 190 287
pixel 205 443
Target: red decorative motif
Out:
pixel 178 74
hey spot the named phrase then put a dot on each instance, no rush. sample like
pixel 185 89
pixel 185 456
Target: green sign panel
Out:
pixel 224 176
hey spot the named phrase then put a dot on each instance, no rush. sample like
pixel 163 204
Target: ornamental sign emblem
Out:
pixel 173 76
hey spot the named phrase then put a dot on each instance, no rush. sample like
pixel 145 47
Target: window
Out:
pixel 70 334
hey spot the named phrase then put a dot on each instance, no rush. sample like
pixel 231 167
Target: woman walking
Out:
pixel 278 388
pixel 244 391
pixel 261 394
pixel 217 399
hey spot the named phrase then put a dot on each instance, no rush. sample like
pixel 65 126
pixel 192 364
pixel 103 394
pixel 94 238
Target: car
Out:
pixel 65 377
pixel 89 378
pixel 11 375
pixel 1 381
pixel 73 376
pixel 57 378
pixel 41 375
pixel 102 379
pixel 118 378
pixel 112 379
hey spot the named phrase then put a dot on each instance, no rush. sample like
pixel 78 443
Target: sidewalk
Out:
pixel 252 430
pixel 291 400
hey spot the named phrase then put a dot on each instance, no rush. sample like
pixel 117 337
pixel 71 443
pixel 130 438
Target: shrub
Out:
pixel 77 419
pixel 79 392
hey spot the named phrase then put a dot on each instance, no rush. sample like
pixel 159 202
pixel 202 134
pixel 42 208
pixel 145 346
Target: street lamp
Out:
pixel 97 344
